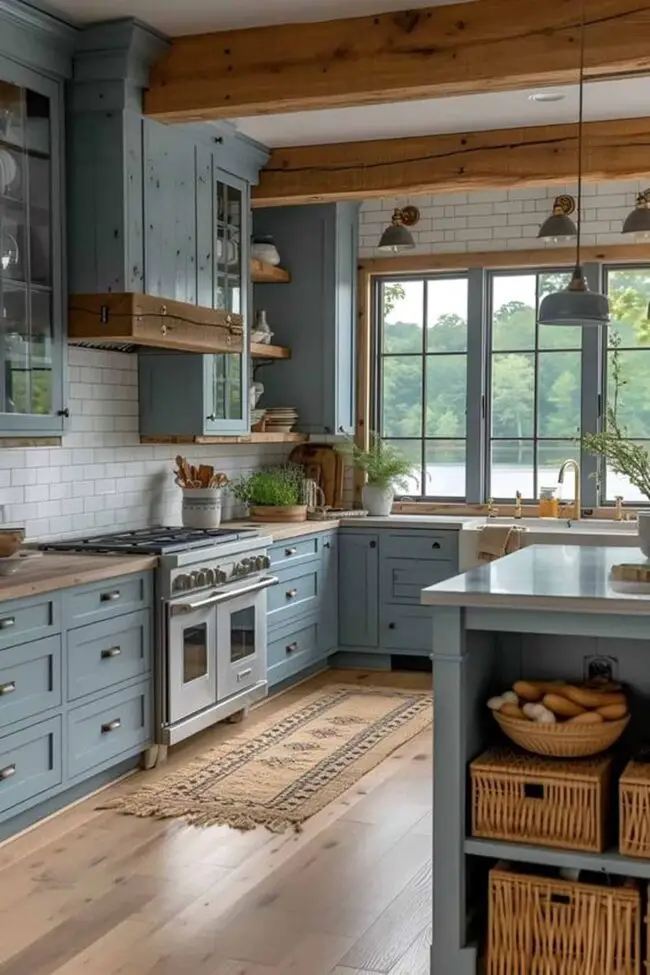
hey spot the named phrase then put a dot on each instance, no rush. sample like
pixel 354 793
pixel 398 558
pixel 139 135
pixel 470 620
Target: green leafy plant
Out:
pixel 620 453
pixel 279 486
pixel 383 463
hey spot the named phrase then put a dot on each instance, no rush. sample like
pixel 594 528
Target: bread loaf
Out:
pixel 587 717
pixel 613 712
pixel 562 706
pixel 591 699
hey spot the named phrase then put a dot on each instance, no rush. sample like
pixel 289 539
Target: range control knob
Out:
pixel 248 566
pixel 194 579
pixel 237 569
pixel 180 583
pixel 210 577
pixel 261 562
pixel 267 561
pixel 201 578
pixel 221 576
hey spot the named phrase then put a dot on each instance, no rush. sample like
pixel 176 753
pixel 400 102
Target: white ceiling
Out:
pixel 196 16
pixel 627 98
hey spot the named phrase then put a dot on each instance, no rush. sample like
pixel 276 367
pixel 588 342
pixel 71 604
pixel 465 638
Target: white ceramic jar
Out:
pixel 201 507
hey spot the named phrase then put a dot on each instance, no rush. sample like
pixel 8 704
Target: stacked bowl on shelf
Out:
pixel 280 419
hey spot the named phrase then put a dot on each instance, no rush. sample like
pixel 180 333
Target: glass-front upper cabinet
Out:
pixel 225 384
pixel 31 333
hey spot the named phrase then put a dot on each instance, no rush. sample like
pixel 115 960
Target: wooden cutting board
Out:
pixel 324 465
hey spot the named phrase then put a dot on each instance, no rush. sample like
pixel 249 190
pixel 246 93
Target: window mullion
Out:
pixel 591 395
pixel 477 346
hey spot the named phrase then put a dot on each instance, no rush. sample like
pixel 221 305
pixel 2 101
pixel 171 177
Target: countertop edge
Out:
pixel 547 604
pixel 22 588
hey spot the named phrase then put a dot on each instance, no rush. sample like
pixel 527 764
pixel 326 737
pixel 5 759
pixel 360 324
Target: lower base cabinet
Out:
pixel 78 701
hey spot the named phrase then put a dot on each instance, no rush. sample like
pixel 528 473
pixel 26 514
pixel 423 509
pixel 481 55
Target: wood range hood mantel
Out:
pixel 132 320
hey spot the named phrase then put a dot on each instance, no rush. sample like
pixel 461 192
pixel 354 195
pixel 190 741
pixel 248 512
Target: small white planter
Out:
pixel 201 507
pixel 377 499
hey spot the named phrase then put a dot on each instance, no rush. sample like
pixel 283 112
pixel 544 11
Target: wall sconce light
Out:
pixel 638 220
pixel 396 236
pixel 559 226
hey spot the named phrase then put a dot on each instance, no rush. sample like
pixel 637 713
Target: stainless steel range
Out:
pixel 210 629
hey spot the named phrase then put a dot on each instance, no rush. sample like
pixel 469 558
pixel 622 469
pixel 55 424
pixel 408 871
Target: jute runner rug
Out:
pixel 285 769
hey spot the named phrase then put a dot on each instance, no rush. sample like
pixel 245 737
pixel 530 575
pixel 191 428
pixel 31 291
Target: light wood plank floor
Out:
pixel 97 893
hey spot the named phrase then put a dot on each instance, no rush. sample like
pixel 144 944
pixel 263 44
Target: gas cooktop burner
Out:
pixel 151 541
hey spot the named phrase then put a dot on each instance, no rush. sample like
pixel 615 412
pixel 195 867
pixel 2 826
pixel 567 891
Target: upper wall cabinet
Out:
pixel 314 314
pixel 205 259
pixel 31 253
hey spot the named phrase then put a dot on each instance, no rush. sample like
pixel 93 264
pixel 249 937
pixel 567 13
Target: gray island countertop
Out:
pixel 565 578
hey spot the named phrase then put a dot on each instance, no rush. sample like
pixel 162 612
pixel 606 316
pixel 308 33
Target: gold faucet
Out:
pixel 577 506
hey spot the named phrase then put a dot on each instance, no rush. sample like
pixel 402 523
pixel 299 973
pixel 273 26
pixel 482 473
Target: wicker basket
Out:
pixel 562 740
pixel 536 800
pixel 539 926
pixel 634 810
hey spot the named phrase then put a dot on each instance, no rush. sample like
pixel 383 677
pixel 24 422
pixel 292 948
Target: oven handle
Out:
pixel 223 597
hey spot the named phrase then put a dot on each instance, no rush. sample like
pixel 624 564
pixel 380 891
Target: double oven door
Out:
pixel 216 647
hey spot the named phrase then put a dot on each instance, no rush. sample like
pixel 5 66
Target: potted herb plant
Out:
pixel 385 466
pixel 273 493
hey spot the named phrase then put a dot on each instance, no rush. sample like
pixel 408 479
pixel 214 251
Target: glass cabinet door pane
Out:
pixel 26 278
pixel 227 387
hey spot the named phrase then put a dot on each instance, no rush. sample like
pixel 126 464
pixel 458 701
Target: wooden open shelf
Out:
pixel 259 351
pixel 242 438
pixel 263 273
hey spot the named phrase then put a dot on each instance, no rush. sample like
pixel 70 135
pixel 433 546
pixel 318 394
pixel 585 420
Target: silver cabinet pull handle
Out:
pixel 110 597
pixel 7 622
pixel 111 725
pixel 291 647
pixel 6 773
pixel 7 688
pixel 110 653
pixel 243 674
pixel 290 551
pixel 291 593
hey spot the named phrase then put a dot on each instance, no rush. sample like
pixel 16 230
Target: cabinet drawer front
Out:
pixel 420 545
pixel 108 653
pixel 295 550
pixel 113 727
pixel 30 680
pixel 409 629
pixel 30 763
pixel 296 593
pixel 102 600
pixel 296 640
pixel 22 620
pixel 402 580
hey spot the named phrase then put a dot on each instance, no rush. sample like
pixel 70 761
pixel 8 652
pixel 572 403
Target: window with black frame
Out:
pixel 421 378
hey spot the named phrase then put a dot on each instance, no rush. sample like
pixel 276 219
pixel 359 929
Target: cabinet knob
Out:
pixel 211 417
pixel 436 545
pixel 291 647
pixel 110 597
pixel 7 688
pixel 373 545
pixel 65 413
pixel 391 626
pixel 291 593
pixel 7 622
pixel 327 544
pixel 110 653
pixel 7 772
pixel 289 552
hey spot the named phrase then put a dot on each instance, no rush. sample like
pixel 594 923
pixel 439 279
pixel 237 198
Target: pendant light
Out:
pixel 396 237
pixel 576 305
pixel 637 221
pixel 559 227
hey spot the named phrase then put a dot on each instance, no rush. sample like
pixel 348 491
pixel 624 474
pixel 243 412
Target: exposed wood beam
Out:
pixel 464 161
pixel 492 45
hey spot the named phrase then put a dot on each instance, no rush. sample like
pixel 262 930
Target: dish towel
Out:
pixel 495 541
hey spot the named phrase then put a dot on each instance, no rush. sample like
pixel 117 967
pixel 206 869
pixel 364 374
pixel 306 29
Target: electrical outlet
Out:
pixel 599 665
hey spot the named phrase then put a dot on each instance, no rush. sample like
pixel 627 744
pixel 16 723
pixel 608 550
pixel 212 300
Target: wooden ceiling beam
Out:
pixel 618 149
pixel 489 45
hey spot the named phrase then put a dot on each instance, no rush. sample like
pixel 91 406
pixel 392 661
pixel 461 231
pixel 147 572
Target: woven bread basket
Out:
pixel 564 739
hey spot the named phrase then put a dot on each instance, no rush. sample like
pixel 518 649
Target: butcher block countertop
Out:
pixel 62 570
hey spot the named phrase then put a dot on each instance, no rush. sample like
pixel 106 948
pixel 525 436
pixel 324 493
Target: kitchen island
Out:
pixel 545 612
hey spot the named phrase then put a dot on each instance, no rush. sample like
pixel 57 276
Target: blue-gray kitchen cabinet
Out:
pixel 75 692
pixel 32 287
pixel 328 610
pixel 358 589
pixel 315 314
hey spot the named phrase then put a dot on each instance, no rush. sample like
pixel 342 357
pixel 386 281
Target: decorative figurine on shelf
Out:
pixel 517 504
pixel 262 333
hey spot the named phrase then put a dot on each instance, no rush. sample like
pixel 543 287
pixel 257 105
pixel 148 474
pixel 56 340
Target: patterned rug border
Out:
pixel 172 797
